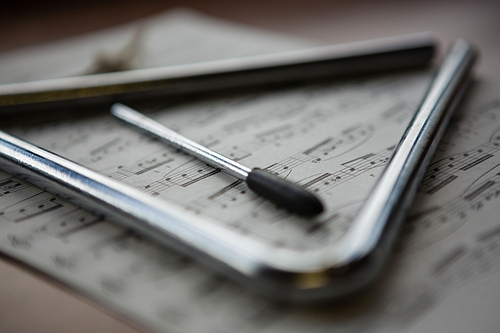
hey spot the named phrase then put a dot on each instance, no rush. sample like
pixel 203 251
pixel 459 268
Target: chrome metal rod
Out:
pixel 282 192
pixel 173 138
pixel 385 209
pixel 264 70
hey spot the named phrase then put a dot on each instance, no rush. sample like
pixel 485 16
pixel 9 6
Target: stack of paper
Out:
pixel 332 138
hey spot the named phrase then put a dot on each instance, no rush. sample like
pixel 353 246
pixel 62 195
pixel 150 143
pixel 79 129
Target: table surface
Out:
pixel 30 302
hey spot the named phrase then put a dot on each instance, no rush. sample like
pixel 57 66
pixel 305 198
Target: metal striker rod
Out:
pixel 173 138
pixel 286 194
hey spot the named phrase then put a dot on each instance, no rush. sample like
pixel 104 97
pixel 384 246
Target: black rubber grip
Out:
pixel 287 195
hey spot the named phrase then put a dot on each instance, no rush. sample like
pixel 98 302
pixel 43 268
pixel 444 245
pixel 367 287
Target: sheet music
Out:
pixel 333 139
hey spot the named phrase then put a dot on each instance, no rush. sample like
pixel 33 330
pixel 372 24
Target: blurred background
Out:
pixel 28 22
pixel 50 307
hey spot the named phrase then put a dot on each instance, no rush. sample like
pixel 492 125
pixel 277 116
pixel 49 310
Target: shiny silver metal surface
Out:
pixel 282 192
pixel 334 271
pixel 208 156
pixel 389 200
pixel 255 71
